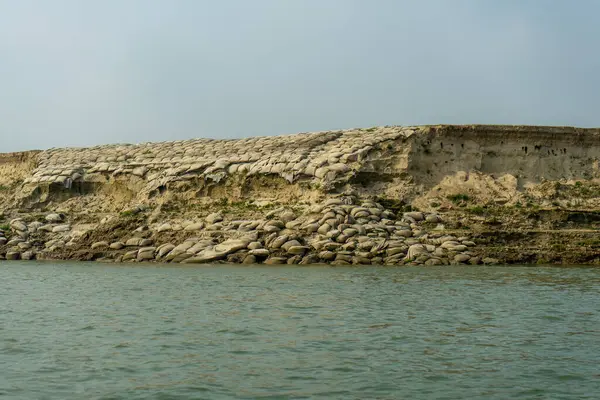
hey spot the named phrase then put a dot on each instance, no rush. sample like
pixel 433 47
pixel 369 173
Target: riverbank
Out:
pixel 432 195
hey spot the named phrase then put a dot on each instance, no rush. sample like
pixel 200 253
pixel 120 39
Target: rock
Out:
pixel 254 245
pixel 327 255
pixel 33 227
pixel 279 241
pixel 164 227
pixel 449 244
pixel 55 218
pixel 249 259
pixel 46 228
pixel 117 245
pixel 291 243
pixel 395 250
pixel 24 245
pixel 433 261
pixel 18 226
pixel 343 257
pixel 196 226
pixel 146 253
pixel 311 228
pixel 99 245
pixel 146 242
pixel 297 250
pixel 139 171
pixel 213 218
pixel 433 218
pixel 259 253
pixel 331 246
pixel 416 215
pixel 179 250
pixel 309 259
pixel 61 228
pixel 422 258
pixel 276 261
pixel 271 229
pixel 358 260
pixel 287 216
pixel 133 242
pixel 416 250
pixel 165 249
pixel 475 261
pixel 324 229
pixel 461 258
pixel 294 260
pixel 218 252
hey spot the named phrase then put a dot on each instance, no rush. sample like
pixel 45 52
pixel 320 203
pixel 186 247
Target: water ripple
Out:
pixel 73 331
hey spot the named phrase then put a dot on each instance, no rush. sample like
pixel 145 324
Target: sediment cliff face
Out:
pixel 456 176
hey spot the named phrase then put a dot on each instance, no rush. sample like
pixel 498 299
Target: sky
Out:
pixel 79 73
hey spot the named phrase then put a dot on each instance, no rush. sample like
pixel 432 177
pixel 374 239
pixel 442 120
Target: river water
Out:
pixel 90 331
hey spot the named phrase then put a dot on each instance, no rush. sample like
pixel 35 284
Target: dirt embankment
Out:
pixel 391 195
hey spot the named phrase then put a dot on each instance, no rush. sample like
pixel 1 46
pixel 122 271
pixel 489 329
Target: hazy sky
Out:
pixel 83 72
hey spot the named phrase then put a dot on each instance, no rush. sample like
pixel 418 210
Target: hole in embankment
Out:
pixel 525 149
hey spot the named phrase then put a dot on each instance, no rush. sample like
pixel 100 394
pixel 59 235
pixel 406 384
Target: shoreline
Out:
pixel 429 195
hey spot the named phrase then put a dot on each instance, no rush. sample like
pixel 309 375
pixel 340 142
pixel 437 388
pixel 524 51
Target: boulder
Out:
pixel 179 250
pixel 18 225
pixel 218 252
pixel 433 218
pixel 287 216
pixel 133 242
pixel 146 253
pixel 99 245
pixel 196 226
pixel 461 258
pixel 139 171
pixel 165 249
pixel 164 227
pixel 260 253
pixel 276 261
pixel 55 218
pixel 416 215
pixel 297 250
pixel 254 245
pixel 291 243
pixel 214 218
pixel 416 250
pixel 130 255
pixel 24 246
pixel 61 228
pixel 279 241
pixel 249 259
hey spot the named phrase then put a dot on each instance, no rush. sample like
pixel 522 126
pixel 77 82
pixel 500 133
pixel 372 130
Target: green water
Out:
pixel 90 331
